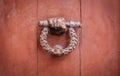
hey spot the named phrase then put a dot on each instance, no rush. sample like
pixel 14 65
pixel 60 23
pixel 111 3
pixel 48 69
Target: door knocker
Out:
pixel 58 26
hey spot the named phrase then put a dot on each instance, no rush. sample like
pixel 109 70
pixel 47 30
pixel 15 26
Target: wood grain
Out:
pixel 22 55
pixel 67 65
pixel 18 38
pixel 99 55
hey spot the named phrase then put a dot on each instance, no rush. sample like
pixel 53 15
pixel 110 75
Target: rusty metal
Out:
pixel 58 26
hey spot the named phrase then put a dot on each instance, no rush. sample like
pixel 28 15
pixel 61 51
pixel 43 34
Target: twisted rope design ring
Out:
pixel 57 49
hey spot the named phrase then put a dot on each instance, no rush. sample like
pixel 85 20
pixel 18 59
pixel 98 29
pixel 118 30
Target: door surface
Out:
pixel 97 52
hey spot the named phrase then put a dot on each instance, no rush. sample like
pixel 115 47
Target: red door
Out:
pixel 97 52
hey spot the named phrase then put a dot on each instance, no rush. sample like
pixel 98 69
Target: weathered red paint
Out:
pixel 22 55
pixel 100 35
pixel 18 38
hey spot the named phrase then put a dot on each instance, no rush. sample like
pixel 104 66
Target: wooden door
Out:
pixel 97 52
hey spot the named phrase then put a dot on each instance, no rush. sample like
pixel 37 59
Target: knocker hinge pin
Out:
pixel 72 24
pixel 58 26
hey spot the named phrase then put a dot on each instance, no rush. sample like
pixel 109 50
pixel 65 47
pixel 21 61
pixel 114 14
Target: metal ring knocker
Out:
pixel 58 26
